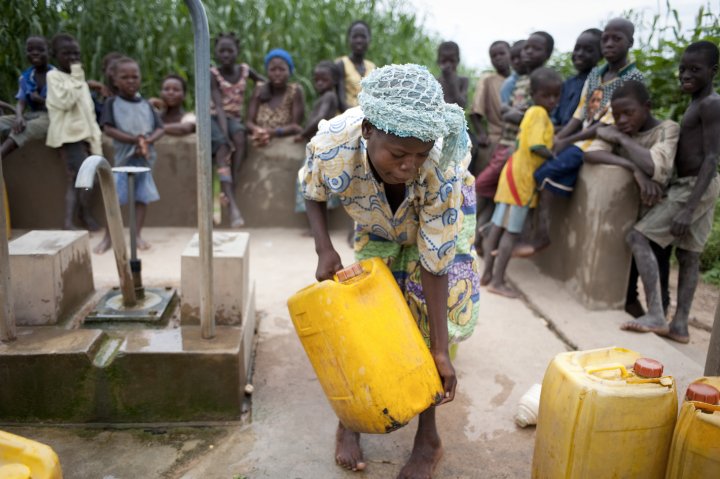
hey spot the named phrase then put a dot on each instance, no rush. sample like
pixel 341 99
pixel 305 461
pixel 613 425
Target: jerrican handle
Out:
pixel 608 367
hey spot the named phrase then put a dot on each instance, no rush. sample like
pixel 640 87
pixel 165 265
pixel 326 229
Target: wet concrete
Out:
pixel 289 432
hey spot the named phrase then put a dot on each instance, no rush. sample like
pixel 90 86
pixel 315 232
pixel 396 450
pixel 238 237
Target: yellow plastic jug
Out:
pixel 604 413
pixel 25 458
pixel 695 451
pixel 366 349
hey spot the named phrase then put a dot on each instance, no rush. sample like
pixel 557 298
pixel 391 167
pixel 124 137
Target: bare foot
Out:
pixel 102 246
pixel 348 453
pixel 425 456
pixel 525 250
pixel 503 290
pixel 677 331
pixel 647 324
pixel 142 244
pixel 485 279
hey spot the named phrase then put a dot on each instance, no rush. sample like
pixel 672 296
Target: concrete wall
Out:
pixel 588 250
pixel 35 179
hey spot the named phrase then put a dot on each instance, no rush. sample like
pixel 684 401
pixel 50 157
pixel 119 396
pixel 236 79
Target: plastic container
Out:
pixel 22 458
pixel 599 418
pixel 528 407
pixel 366 349
pixel 695 451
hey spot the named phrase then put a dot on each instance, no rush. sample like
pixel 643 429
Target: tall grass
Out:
pixel 158 33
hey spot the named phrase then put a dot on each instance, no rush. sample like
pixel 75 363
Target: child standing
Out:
pixel 73 127
pixel 354 67
pixel 535 52
pixel 134 126
pixel 454 87
pixel 400 167
pixel 30 121
pixel 585 56
pixel 516 188
pixel 684 217
pixel 486 103
pixel 518 68
pixel 227 88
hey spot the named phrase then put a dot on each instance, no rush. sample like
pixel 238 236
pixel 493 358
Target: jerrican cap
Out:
pixel 648 368
pixel 703 393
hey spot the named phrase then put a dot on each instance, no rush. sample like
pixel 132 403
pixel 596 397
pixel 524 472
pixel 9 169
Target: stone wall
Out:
pixel 35 179
pixel 588 251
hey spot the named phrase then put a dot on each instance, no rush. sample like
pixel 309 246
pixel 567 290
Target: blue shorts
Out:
pixel 217 138
pixel 510 217
pixel 559 175
pixel 145 189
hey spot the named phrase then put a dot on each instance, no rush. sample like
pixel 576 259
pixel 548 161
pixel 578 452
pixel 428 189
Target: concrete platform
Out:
pixel 289 433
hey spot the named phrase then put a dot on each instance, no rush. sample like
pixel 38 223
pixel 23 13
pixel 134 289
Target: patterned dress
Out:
pixel 271 118
pixel 434 226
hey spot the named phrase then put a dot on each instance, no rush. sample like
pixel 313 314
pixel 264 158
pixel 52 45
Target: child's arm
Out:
pixel 119 135
pixel 329 261
pixel 638 155
pixel 650 191
pixel 155 135
pixel 179 129
pixel 19 123
pixel 341 86
pixel 252 110
pixel 561 142
pixel 710 124
pixel 542 150
pixel 326 105
pixel 64 93
pixel 435 288
pixel 255 76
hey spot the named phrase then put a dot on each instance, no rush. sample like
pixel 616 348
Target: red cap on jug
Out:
pixel 703 393
pixel 648 368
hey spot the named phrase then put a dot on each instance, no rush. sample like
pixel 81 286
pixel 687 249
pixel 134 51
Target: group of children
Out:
pixel 69 114
pixel 541 130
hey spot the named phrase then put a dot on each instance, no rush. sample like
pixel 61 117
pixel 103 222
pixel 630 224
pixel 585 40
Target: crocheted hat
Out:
pixel 280 53
pixel 407 101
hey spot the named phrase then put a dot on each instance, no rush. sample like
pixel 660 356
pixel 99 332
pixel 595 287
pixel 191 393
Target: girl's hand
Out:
pixel 142 146
pixel 329 263
pixel 18 124
pixel 447 375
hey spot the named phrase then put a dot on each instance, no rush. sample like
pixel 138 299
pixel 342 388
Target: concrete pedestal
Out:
pixel 51 275
pixel 588 230
pixel 231 278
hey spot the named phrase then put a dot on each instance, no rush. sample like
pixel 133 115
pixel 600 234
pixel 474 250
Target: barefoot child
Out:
pixel 454 87
pixel 227 88
pixel 354 67
pixel 73 127
pixel 535 52
pixel 399 165
pixel 30 121
pixel 684 217
pixel 134 126
pixel 516 188
pixel 642 144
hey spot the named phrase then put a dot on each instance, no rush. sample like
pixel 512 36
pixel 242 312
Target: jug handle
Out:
pixel 608 367
pixel 705 406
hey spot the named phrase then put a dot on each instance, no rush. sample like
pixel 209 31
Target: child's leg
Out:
pixel 541 236
pixel 687 283
pixel 70 192
pixel 654 320
pixel 8 146
pixel 348 453
pixel 140 211
pixel 238 156
pixel 505 249
pixel 224 171
pixel 427 448
pixel 489 244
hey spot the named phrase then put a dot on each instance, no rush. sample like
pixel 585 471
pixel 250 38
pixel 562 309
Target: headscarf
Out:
pixel 280 53
pixel 407 101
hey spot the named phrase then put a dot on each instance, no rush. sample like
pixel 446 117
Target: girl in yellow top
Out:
pixel 354 67
pixel 516 188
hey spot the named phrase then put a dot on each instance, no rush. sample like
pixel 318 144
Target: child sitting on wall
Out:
pixel 134 126
pixel 73 127
pixel 30 119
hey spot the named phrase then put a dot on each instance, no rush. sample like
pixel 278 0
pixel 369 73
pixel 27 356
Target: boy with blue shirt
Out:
pixel 30 121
